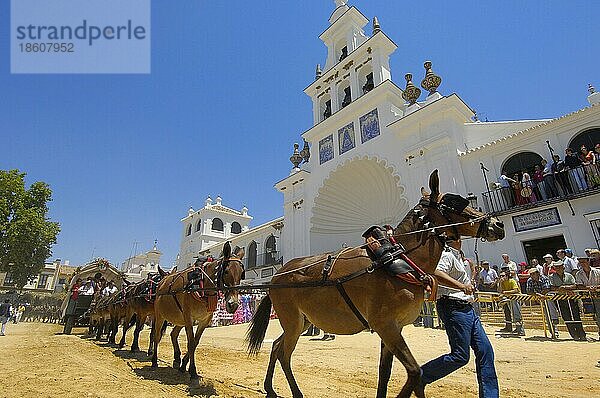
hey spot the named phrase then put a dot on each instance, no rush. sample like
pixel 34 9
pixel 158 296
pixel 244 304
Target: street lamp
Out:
pixel 472 200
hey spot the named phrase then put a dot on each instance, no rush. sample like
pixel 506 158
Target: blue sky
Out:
pixel 127 155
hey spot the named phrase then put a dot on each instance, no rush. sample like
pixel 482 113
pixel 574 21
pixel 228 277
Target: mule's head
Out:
pixel 454 215
pixel 230 272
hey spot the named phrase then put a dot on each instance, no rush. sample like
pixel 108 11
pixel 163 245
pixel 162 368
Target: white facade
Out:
pixel 373 147
pixel 140 265
pixel 212 224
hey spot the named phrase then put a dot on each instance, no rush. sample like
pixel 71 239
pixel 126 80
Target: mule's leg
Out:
pixel 191 348
pixel 176 349
pixel 158 332
pixel 386 357
pixel 126 325
pixel 292 321
pixel 151 342
pixel 135 345
pixel 392 337
pixel 186 357
pixel 275 353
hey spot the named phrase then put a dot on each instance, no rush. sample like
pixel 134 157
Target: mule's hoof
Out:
pixel 150 353
pixel 135 349
pixel 176 364
pixel 154 364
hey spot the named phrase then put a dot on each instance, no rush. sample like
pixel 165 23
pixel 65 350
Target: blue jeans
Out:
pixel 464 330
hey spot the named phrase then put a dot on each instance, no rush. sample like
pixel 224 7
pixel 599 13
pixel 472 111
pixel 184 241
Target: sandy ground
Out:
pixel 37 361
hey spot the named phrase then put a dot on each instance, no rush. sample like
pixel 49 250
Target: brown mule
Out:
pixel 386 302
pixel 179 307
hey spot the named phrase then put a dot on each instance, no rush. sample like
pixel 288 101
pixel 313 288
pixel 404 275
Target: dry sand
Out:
pixel 37 361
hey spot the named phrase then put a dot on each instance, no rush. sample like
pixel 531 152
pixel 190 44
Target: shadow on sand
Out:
pixel 173 377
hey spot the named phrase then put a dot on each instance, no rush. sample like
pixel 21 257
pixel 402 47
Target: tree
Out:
pixel 26 233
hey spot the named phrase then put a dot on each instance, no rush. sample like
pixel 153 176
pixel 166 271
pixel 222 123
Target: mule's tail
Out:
pixel 258 326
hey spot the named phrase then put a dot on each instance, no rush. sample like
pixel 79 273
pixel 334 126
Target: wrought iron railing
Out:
pixel 568 184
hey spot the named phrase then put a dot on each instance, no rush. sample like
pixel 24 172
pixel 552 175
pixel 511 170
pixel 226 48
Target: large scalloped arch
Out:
pixel 360 192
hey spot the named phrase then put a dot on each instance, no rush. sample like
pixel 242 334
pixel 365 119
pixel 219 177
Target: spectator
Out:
pixel 507 286
pixel 536 264
pixel 570 263
pixel 548 268
pixel 588 277
pixel 512 266
pixel 538 183
pixel 573 164
pixel 4 315
pixel 562 282
pixel 507 191
pixel 109 289
pixel 527 191
pixel 594 255
pixel 560 173
pixel 488 278
pixel 88 288
pixel 549 180
pixel 539 284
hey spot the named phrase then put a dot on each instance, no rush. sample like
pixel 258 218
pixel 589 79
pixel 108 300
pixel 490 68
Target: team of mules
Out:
pixel 342 293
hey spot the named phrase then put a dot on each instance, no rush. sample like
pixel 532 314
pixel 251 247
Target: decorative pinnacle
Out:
pixel 318 73
pixel 296 159
pixel 305 152
pixel 431 81
pixel 591 88
pixel 411 92
pixel 376 26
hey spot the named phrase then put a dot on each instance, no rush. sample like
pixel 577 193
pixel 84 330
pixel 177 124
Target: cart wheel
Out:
pixel 69 324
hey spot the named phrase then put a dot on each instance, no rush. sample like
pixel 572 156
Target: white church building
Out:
pixel 374 143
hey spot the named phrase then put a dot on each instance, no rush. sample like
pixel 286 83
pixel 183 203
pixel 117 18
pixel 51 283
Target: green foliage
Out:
pixel 26 233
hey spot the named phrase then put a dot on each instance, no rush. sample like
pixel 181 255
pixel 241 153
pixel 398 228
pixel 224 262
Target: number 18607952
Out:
pixel 47 47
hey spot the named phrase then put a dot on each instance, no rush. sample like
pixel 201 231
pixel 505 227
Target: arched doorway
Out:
pixel 251 262
pixel 360 193
pixel 519 162
pixel 588 138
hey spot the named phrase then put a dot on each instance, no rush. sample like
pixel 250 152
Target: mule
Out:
pixel 181 307
pixel 385 302
pixel 140 306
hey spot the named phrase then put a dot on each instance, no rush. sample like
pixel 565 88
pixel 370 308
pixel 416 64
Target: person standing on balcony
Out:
pixel 527 190
pixel 549 180
pixel 576 172
pixel 506 190
pixel 560 172
pixel 538 183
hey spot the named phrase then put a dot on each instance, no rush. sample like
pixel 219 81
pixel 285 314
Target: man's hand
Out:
pixel 468 289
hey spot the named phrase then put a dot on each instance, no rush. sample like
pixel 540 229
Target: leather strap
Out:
pixel 350 304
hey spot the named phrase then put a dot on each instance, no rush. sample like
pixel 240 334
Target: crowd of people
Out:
pixel 560 275
pixel 577 172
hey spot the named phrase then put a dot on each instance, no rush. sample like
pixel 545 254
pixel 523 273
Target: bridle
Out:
pixel 453 205
pixel 219 279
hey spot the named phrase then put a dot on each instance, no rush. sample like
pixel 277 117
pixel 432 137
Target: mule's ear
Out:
pixel 434 185
pixel 239 252
pixel 227 250
pixel 161 271
pixel 424 192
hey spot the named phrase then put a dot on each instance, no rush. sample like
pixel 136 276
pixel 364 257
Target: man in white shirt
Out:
pixel 512 266
pixel 463 326
pixel 488 277
pixel 569 261
pixel 109 289
pixel 588 277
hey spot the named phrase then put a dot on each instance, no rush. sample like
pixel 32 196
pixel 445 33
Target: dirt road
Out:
pixel 37 361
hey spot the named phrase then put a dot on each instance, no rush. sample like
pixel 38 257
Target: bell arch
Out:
pixel 359 193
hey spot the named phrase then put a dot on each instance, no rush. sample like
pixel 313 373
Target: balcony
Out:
pixel 569 184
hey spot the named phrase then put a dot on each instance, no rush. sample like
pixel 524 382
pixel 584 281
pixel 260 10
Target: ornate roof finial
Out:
pixel 591 88
pixel 318 73
pixel 376 26
pixel 431 81
pixel 411 92
pixel 305 152
pixel 296 159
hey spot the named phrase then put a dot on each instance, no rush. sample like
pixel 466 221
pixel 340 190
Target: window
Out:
pixel 588 138
pixel 42 281
pixel 189 230
pixel 236 228
pixel 251 255
pixel 344 53
pixel 523 161
pixel 270 250
pixel 217 224
pixel 198 225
